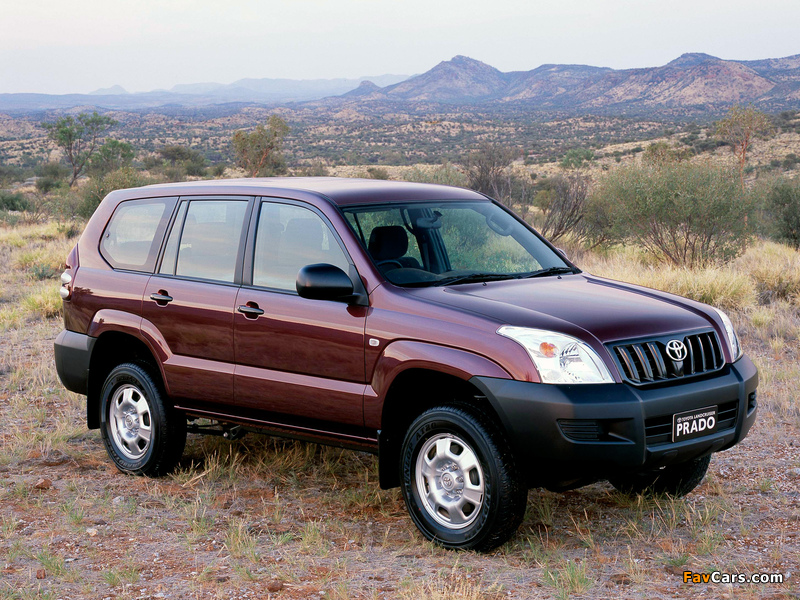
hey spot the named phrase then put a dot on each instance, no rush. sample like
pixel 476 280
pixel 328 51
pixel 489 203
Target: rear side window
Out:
pixel 205 240
pixel 289 238
pixel 133 236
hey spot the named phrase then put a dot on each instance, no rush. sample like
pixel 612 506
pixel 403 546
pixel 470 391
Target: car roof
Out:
pixel 338 190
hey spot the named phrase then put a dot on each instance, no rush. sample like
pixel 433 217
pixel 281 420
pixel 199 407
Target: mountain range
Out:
pixel 692 82
pixel 249 91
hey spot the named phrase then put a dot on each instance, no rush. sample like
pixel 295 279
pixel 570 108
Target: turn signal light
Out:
pixel 547 349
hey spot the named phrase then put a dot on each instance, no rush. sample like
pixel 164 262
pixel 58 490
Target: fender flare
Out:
pixel 117 321
pixel 402 355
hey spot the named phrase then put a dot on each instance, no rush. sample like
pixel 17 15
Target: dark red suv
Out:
pixel 427 324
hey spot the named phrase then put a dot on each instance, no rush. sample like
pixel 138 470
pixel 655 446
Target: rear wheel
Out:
pixel 459 479
pixel 675 480
pixel 142 434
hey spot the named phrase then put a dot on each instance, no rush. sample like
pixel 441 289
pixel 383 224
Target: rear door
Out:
pixel 190 300
pixel 298 361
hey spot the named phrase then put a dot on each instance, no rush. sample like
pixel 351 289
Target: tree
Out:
pixel 111 156
pixel 576 158
pixel 183 161
pixel 784 205
pixel 562 201
pixel 259 152
pixel 487 170
pixel 78 137
pixel 686 214
pixel 662 153
pixel 739 128
pixel 174 154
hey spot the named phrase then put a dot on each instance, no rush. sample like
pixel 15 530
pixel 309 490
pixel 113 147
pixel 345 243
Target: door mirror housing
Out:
pixel 324 282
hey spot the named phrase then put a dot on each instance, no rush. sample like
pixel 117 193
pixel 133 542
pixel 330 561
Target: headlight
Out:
pixel 559 358
pixel 733 340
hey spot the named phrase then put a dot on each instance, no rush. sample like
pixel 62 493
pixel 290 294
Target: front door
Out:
pixel 298 361
pixel 191 299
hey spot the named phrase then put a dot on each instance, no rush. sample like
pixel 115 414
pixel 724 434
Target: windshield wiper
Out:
pixel 550 271
pixel 475 277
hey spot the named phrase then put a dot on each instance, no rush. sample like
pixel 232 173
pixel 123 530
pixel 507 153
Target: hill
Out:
pixel 692 82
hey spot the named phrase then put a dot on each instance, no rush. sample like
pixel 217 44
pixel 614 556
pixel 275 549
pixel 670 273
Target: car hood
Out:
pixel 607 310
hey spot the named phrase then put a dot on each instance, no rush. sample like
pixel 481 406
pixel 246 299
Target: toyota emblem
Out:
pixel 676 350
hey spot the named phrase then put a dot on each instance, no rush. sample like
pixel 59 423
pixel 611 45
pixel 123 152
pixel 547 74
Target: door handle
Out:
pixel 250 310
pixel 161 297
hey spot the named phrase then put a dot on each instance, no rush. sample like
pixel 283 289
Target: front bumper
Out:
pixel 565 434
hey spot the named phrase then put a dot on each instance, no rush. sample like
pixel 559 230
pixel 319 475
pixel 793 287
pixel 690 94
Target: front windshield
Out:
pixel 446 243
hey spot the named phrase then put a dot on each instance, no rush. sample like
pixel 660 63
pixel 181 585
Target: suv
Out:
pixel 424 323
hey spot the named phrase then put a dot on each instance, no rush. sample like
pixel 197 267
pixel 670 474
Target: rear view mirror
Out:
pixel 324 282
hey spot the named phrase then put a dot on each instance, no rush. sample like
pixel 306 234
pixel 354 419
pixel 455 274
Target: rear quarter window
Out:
pixel 133 236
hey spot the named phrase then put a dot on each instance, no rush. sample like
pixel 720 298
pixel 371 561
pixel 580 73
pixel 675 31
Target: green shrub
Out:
pixel 576 158
pixel 686 214
pixel 444 174
pixel 97 189
pixel 11 174
pixel 377 173
pixel 111 156
pixel 195 166
pixel 51 176
pixel 783 205
pixel 11 201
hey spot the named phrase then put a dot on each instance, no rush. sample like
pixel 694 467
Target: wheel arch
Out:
pixel 113 347
pixel 411 377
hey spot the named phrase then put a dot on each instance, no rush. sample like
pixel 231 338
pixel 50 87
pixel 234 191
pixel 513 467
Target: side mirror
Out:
pixel 324 282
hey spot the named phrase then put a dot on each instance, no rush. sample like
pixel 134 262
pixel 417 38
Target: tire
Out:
pixel 675 480
pixel 142 434
pixel 459 479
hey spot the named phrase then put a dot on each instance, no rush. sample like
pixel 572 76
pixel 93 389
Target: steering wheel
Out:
pixel 390 261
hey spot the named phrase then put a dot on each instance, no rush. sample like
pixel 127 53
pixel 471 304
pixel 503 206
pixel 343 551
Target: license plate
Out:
pixel 694 423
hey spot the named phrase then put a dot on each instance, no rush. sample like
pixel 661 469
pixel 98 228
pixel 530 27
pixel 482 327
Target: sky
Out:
pixel 57 47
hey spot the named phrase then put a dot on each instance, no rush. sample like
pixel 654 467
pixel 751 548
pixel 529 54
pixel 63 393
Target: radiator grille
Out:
pixel 647 361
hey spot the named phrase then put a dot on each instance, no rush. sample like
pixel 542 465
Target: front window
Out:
pixel 445 243
pixel 289 238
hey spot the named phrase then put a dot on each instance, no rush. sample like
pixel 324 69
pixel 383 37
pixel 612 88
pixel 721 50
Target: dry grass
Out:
pixel 719 286
pixel 238 519
pixel 774 269
pixel 767 272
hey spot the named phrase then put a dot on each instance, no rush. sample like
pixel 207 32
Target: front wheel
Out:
pixel 459 479
pixel 142 434
pixel 675 480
